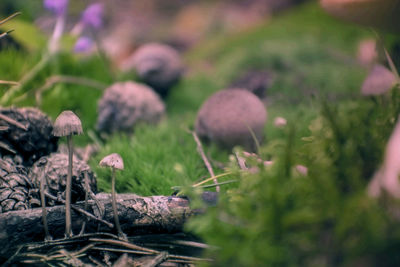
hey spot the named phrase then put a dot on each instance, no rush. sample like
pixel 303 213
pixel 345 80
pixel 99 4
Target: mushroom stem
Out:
pixel 68 231
pixel 114 206
pixel 86 186
pixel 44 211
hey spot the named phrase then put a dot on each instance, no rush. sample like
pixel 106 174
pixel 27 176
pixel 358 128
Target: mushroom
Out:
pixel 280 122
pixel 379 81
pixel 68 124
pixel 387 176
pixel 157 65
pixel 114 161
pixel 383 14
pixel 231 118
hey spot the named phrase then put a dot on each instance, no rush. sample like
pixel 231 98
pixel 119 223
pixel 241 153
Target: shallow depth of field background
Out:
pixel 276 217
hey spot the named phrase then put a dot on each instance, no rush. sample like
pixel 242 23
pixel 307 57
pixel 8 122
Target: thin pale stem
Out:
pixel 7 147
pixel 124 244
pixel 4 34
pixel 68 231
pixel 86 200
pixel 211 178
pixel 205 160
pixel 114 206
pixel 54 42
pixel 44 211
pixel 9 82
pixel 10 17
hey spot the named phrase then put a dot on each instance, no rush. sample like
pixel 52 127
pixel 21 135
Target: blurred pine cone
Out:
pixel 55 169
pixel 31 143
pixel 15 187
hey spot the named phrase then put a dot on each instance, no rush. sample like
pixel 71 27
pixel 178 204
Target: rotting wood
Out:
pixel 138 215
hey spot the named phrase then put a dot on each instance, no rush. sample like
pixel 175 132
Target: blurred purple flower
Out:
pixel 83 45
pixel 58 7
pixel 93 15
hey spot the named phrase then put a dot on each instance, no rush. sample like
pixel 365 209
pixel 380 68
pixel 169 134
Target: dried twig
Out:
pixel 211 178
pixel 7 147
pixel 205 160
pixel 4 34
pixel 91 216
pixel 221 183
pixel 188 258
pixel 87 189
pixel 130 251
pixel 241 162
pixel 191 244
pixel 124 244
pixel 13 122
pixel 83 212
pixel 8 82
pixel 160 258
pixel 58 252
pixel 44 211
pixel 10 17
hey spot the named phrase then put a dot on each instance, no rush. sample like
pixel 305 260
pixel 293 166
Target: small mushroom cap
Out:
pixel 379 81
pixel 113 160
pixel 382 14
pixel 67 123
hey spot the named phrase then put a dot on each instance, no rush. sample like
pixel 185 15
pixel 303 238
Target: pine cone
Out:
pixel 34 142
pixel 55 169
pixel 15 187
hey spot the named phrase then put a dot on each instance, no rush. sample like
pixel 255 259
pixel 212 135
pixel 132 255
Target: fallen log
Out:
pixel 138 215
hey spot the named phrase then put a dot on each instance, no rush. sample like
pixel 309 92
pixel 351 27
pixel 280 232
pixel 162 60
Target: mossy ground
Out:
pixel 310 55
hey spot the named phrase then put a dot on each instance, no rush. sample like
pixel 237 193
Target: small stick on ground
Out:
pixel 124 244
pixel 44 211
pixel 82 211
pixel 91 216
pixel 241 162
pixel 9 82
pixel 87 189
pixel 7 147
pixel 10 17
pixel 205 160
pixel 13 122
pixel 160 258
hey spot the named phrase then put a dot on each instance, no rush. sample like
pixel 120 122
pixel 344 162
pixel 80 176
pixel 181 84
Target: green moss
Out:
pixel 325 218
pixel 156 158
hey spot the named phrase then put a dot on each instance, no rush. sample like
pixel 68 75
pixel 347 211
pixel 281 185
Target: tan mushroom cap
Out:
pixel 67 123
pixel 113 160
pixel 383 14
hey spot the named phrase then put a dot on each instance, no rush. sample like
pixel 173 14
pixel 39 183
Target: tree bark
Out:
pixel 138 215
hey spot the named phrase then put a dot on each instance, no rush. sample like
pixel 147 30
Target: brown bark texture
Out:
pixel 137 215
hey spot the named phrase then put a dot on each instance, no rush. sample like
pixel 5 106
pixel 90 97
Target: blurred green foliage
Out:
pixel 279 217
pixel 27 35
